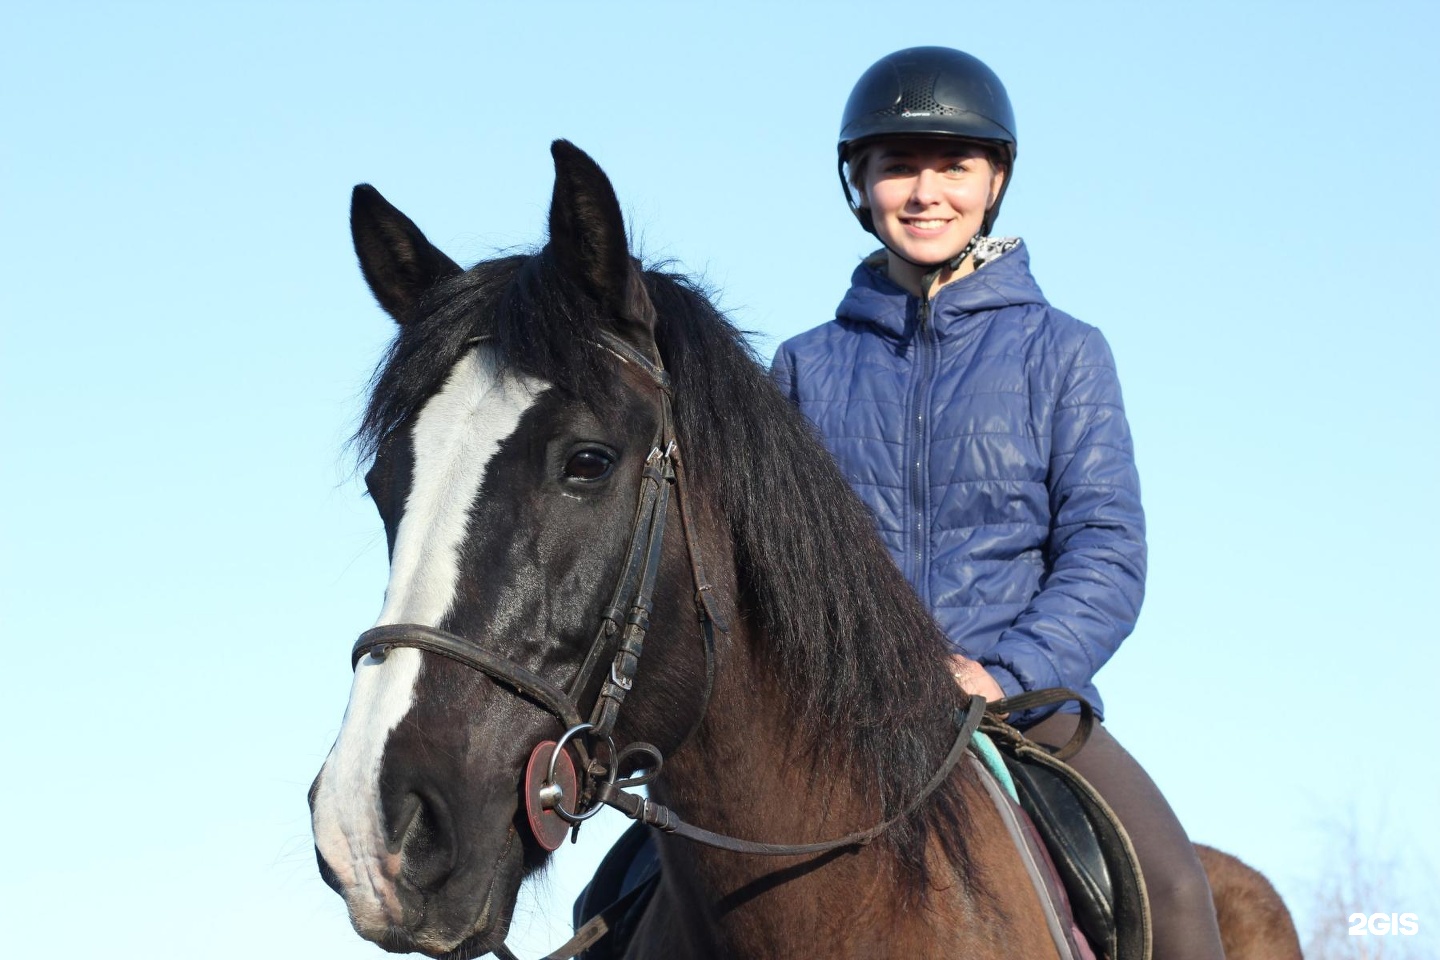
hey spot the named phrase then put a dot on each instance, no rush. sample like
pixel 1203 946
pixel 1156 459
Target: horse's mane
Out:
pixel 859 655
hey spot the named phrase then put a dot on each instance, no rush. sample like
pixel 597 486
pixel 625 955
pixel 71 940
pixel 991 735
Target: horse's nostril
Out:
pixel 403 821
pixel 421 834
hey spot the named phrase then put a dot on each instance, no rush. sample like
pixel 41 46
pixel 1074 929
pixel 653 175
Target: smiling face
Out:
pixel 927 198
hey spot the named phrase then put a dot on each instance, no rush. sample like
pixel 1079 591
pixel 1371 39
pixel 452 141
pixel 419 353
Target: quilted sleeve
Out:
pixel 1095 557
pixel 782 371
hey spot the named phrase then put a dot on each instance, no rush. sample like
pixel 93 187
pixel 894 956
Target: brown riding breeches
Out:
pixel 1182 913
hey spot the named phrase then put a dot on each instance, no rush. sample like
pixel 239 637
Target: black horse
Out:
pixel 803 693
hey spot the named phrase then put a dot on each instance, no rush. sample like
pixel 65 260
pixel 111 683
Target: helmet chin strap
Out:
pixel 933 270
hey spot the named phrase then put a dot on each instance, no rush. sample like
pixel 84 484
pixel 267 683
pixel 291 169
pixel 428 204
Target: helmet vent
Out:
pixel 917 95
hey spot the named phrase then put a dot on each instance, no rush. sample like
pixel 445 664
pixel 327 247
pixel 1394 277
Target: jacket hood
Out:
pixel 875 299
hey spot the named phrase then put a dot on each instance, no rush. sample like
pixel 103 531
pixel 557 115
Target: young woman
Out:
pixel 985 430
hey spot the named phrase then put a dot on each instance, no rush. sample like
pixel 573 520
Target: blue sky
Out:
pixel 1241 196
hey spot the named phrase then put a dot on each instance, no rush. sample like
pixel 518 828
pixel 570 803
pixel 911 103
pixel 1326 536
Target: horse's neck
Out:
pixel 747 775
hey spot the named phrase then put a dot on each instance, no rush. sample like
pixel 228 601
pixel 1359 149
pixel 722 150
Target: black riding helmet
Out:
pixel 928 91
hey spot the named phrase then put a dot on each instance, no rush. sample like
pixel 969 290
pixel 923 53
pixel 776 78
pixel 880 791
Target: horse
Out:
pixel 523 430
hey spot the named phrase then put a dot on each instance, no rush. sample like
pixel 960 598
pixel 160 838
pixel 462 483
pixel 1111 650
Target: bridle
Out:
pixel 627 616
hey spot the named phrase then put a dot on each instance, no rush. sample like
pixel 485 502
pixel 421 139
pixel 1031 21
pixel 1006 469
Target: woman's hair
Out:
pixel 857 165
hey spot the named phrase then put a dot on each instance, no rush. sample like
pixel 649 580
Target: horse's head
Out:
pixel 511 425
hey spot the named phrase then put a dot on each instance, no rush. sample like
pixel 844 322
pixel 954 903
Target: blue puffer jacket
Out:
pixel 991 444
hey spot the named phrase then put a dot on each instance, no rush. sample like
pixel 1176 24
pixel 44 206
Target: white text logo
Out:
pixel 1383 924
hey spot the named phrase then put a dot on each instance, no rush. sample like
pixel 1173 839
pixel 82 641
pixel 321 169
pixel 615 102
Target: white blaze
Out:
pixel 454 439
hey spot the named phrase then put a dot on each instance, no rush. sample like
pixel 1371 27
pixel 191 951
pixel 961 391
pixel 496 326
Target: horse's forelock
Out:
pixel 538 322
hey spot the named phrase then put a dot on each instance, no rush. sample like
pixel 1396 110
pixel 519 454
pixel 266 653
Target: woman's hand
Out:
pixel 974 680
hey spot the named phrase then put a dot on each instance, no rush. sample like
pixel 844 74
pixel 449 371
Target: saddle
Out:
pixel 1086 845
pixel 1078 847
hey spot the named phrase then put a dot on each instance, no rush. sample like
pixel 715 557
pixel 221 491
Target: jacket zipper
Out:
pixel 920 457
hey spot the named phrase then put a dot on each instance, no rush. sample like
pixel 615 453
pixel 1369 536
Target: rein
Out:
pixel 628 616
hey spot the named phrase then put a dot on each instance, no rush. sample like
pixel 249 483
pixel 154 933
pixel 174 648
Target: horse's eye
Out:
pixel 588 465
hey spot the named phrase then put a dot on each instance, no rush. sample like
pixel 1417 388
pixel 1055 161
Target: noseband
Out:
pixel 628 616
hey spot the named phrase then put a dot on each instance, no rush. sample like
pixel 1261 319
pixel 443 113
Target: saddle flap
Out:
pixel 1089 847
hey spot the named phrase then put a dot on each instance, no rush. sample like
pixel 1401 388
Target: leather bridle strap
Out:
pixel 613 616
pixel 657 479
pixel 377 642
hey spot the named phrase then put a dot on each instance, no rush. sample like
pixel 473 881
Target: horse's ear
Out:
pixel 587 239
pixel 397 260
